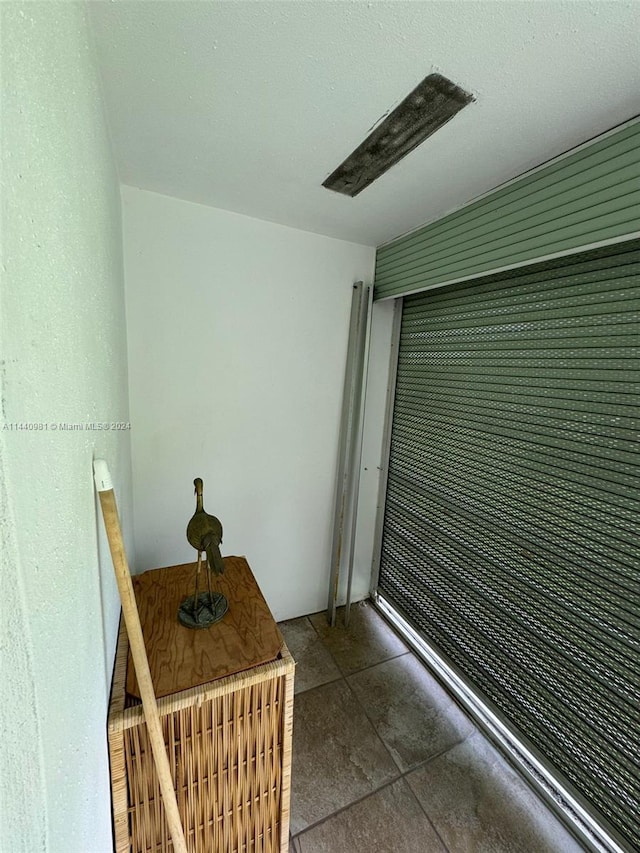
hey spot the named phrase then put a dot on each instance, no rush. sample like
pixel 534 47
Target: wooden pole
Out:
pixel 138 652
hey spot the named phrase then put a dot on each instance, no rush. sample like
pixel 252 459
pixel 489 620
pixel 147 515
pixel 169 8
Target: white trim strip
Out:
pixel 394 353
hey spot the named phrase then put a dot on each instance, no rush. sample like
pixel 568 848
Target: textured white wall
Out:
pixel 64 360
pixel 237 344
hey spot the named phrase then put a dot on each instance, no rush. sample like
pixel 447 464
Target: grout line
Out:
pixel 348 806
pixel 313 686
pixel 431 757
pixel 400 778
pixel 443 684
pixel 436 755
pixel 372 665
pixel 311 622
pixel 391 628
pixel 424 812
pixel 316 686
pixel 400 774
pixel 373 726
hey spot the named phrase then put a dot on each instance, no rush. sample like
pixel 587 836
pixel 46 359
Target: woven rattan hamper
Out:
pixel 228 739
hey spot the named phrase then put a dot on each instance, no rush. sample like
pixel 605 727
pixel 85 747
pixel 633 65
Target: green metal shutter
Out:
pixel 510 537
pixel 586 197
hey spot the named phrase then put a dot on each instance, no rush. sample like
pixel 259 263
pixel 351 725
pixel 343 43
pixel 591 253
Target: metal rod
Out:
pixel 362 356
pixel 340 505
pixel 386 444
pixel 195 592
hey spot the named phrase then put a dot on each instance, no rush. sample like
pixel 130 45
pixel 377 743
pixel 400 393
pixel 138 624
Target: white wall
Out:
pixel 237 343
pixel 64 360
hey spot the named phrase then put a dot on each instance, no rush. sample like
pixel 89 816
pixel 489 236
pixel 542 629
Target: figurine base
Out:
pixel 208 610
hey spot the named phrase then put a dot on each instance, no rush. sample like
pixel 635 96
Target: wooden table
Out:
pixel 225 697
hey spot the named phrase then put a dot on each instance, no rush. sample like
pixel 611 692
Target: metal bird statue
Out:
pixel 204 532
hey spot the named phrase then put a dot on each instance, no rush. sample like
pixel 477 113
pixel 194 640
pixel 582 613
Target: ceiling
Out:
pixel 249 106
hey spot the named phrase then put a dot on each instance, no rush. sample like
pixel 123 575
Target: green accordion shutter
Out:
pixel 586 197
pixel 510 538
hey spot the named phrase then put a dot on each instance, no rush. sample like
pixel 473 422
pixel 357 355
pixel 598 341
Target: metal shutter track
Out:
pixel 511 523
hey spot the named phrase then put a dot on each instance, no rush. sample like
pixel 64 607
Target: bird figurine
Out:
pixel 204 532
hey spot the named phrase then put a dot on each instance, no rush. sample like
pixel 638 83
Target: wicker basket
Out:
pixel 229 747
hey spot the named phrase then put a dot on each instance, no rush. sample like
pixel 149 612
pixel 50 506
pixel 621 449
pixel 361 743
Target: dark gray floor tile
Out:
pixel 478 804
pixel 293 845
pixel 366 641
pixel 337 756
pixel 314 664
pixel 389 821
pixel 409 709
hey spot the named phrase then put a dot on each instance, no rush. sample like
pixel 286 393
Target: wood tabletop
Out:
pixel 179 657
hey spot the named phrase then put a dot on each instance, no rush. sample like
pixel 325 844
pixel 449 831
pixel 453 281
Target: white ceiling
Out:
pixel 248 106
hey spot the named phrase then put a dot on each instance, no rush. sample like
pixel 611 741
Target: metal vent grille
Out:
pixel 431 105
pixel 511 524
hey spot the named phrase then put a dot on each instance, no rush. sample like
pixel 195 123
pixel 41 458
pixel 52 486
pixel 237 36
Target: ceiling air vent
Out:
pixel 431 104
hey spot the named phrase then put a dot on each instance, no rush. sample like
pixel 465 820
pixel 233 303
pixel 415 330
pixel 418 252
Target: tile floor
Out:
pixel 384 761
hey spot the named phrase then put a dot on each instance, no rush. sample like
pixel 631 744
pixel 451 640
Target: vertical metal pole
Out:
pixel 342 479
pixel 386 445
pixel 364 337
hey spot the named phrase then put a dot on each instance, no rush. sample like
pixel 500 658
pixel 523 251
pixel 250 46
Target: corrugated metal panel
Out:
pixel 587 197
pixel 511 532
